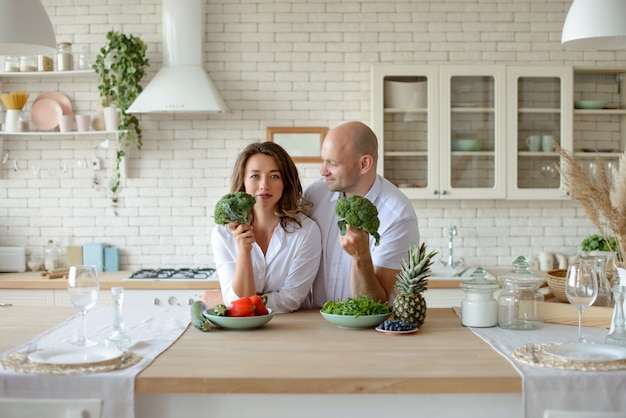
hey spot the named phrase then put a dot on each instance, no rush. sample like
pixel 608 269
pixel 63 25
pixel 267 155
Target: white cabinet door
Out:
pixel 62 299
pixel 23 297
pixel 539 108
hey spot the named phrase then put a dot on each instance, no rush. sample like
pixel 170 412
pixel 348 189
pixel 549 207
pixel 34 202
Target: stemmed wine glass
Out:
pixel 581 289
pixel 83 288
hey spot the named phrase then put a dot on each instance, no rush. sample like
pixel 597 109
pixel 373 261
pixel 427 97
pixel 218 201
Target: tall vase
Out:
pixel 621 273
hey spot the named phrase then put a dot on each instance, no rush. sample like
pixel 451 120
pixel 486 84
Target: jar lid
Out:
pixel 521 275
pixel 479 282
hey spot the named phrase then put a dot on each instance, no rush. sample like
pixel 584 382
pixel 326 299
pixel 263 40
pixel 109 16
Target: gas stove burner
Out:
pixel 173 274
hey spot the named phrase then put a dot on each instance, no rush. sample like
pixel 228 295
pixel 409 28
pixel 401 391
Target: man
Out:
pixel 352 265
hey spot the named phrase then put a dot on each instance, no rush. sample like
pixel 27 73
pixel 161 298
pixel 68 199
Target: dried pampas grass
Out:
pixel 602 196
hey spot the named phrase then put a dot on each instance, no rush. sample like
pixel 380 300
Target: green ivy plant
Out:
pixel 120 66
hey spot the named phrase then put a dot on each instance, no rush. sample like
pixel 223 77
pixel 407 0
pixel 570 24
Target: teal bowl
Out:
pixel 467 144
pixel 240 323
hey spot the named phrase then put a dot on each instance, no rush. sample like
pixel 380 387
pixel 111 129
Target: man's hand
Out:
pixel 355 242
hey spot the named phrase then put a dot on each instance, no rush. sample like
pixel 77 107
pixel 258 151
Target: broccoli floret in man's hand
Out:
pixel 358 212
pixel 234 207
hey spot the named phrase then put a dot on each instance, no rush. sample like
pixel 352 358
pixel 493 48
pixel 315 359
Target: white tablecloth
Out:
pixel 152 331
pixel 547 388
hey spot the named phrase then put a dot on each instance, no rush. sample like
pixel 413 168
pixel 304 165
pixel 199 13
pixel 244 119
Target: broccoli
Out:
pixel 234 207
pixel 358 212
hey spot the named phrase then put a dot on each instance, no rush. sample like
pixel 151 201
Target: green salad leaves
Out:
pixel 358 306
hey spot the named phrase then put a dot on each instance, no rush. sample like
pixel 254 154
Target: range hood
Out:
pixel 182 85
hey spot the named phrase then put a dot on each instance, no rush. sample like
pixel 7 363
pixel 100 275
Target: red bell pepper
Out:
pixel 242 307
pixel 261 309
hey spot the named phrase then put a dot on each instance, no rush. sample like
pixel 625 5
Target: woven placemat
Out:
pixel 542 359
pixel 16 363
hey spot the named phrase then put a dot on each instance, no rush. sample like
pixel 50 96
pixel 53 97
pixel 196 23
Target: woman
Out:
pixel 278 254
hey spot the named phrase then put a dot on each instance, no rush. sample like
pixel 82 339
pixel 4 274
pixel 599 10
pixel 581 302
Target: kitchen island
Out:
pixel 300 365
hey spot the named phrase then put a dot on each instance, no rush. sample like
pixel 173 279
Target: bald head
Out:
pixel 357 137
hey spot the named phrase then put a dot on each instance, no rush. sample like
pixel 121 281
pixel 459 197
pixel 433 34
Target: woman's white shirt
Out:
pixel 285 273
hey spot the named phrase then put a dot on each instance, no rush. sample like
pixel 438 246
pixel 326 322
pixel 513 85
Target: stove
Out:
pixel 171 274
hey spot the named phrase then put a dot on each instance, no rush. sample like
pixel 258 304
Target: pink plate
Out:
pixel 45 114
pixel 60 98
pixel 385 331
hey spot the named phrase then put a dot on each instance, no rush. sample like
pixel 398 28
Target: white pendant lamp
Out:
pixel 595 24
pixel 25 28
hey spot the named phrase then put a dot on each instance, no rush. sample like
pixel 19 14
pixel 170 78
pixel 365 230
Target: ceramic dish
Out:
pixel 589 104
pixel 386 331
pixel 241 323
pixel 467 144
pixel 45 114
pixel 58 97
pixel 598 150
pixel 75 355
pixel 355 322
pixel 586 351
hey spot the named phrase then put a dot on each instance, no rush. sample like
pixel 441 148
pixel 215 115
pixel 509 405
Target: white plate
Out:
pixel 587 351
pixel 75 356
pixel 386 331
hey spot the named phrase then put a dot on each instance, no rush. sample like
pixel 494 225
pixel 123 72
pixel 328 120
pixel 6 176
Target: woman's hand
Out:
pixel 244 235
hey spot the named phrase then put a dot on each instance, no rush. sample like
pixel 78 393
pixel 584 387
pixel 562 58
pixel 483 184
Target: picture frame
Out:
pixel 303 144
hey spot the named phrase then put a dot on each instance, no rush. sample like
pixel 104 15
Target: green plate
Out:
pixel 245 322
pixel 589 104
pixel 355 322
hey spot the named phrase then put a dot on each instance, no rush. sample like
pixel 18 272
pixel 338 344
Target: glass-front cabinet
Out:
pixel 599 116
pixel 441 129
pixel 539 112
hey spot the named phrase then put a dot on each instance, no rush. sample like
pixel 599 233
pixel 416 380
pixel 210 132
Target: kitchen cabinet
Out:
pixel 599 132
pixel 34 297
pixel 423 114
pixel 539 102
pixel 419 112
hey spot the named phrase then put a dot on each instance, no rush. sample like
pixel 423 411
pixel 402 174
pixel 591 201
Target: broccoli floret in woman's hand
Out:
pixel 358 212
pixel 234 207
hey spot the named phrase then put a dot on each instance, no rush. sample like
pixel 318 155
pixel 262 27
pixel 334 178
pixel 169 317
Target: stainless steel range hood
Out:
pixel 182 85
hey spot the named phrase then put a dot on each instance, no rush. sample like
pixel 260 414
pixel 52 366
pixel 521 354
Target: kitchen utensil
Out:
pixel 60 98
pixel 45 114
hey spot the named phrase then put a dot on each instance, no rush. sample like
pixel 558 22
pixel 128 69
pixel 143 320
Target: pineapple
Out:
pixel 409 304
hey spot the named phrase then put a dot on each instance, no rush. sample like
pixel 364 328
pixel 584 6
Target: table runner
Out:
pixel 550 388
pixel 152 329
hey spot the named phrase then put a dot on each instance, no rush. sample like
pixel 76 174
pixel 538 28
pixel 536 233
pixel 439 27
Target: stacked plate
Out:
pixel 47 108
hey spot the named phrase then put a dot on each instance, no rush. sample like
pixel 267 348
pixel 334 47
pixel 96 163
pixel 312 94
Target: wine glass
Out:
pixel 581 289
pixel 83 288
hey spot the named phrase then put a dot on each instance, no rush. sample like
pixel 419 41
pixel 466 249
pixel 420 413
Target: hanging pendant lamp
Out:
pixel 25 28
pixel 595 24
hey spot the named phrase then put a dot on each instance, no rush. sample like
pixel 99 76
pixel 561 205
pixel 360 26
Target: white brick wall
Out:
pixel 277 63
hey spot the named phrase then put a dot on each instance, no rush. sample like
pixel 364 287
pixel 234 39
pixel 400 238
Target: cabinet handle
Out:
pixel 156 301
pixel 444 192
pixel 172 300
pixel 190 301
pixel 435 192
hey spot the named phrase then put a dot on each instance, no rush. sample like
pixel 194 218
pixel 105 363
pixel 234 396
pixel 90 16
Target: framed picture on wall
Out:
pixel 302 144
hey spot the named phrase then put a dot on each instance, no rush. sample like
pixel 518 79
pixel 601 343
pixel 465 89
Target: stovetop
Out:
pixel 172 274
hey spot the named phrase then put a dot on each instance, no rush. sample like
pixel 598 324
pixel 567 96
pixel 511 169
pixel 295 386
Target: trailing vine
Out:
pixel 120 66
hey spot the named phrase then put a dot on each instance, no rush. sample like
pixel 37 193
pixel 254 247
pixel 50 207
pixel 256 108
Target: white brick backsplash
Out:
pixel 276 63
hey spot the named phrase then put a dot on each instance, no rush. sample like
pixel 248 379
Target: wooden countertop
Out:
pixel 34 280
pixel 302 353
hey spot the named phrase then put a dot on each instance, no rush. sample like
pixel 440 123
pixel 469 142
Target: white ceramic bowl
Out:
pixel 241 323
pixel 355 322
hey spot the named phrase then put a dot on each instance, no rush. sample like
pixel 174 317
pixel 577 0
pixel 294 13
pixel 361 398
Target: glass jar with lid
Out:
pixel 479 308
pixel 520 304
pixel 65 59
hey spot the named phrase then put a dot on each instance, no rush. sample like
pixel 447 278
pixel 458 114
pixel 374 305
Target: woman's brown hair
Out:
pixel 292 201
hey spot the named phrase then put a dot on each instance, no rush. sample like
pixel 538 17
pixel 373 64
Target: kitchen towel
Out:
pixel 152 329
pixel 548 388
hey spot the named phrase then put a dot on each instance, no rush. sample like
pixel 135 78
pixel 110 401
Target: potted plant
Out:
pixel 120 66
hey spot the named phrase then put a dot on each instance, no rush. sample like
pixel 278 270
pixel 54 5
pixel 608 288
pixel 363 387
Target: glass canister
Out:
pixel 520 304
pixel 479 308
pixel 65 59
